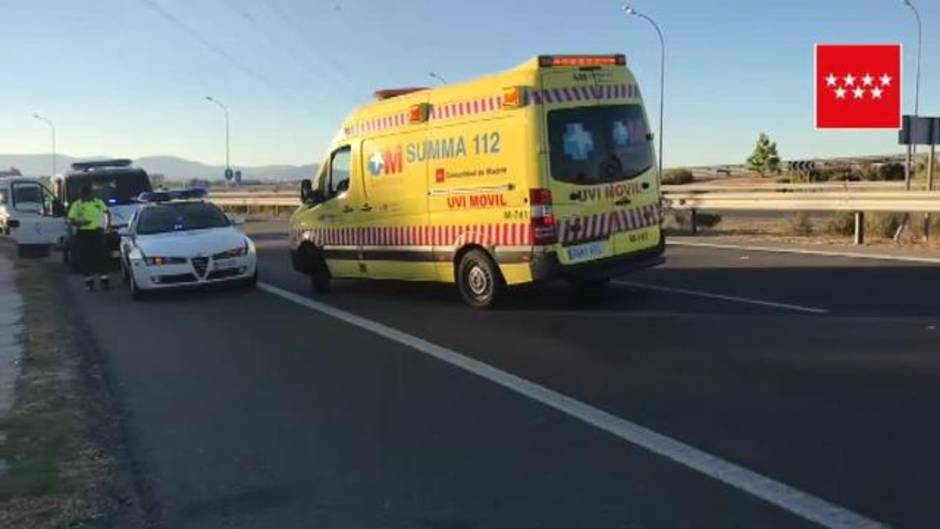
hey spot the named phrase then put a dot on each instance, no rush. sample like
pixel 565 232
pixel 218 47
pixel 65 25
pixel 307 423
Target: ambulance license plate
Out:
pixel 225 264
pixel 586 252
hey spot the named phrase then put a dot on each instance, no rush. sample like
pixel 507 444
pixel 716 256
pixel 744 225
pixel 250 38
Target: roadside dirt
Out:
pixel 63 440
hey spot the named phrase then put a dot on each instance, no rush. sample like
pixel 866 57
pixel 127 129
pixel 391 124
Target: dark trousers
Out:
pixel 92 253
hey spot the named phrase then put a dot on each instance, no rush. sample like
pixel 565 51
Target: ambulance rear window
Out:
pixel 593 145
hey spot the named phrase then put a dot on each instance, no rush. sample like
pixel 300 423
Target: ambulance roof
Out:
pixel 391 109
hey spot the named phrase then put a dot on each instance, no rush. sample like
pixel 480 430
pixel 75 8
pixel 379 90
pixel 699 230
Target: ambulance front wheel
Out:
pixel 320 284
pixel 479 280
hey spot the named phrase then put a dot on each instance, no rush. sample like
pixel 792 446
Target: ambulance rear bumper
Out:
pixel 548 267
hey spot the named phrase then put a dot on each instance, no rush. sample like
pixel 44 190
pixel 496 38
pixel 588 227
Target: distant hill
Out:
pixel 172 167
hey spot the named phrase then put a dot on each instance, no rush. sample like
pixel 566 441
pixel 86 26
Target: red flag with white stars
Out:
pixel 858 86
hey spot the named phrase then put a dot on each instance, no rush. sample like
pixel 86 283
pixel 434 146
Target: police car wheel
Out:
pixel 250 283
pixel 136 293
pixel 478 280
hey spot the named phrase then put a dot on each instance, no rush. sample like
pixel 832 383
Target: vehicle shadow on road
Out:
pixel 894 291
pixel 556 296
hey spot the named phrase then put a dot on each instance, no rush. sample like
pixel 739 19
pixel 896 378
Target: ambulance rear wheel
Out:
pixel 320 284
pixel 478 280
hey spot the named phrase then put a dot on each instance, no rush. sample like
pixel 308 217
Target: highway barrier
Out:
pixel 855 197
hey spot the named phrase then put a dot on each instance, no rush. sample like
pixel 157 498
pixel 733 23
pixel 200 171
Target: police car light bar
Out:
pixel 98 164
pixel 548 61
pixel 167 196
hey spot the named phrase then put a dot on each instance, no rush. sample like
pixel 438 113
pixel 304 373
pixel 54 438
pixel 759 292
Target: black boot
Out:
pixel 105 283
pixel 90 283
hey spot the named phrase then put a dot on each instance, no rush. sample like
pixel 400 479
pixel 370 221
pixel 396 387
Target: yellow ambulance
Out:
pixel 545 171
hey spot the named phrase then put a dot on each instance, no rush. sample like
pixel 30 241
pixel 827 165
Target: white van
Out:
pixel 31 215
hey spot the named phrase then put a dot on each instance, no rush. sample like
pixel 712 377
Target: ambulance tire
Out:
pixel 479 280
pixel 320 283
pixel 319 273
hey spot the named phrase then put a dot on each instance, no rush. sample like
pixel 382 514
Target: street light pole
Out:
pixel 912 149
pixel 47 121
pixel 433 75
pixel 228 166
pixel 662 79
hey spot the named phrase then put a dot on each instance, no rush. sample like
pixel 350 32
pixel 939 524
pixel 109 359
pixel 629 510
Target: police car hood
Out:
pixel 121 214
pixel 192 243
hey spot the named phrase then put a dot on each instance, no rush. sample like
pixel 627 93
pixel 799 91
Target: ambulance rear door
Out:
pixel 578 159
pixel 632 184
pixel 601 163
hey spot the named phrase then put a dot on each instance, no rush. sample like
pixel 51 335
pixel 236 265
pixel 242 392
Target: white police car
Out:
pixel 178 240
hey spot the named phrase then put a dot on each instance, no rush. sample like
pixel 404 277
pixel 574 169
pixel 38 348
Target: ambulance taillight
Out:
pixel 544 230
pixel 549 61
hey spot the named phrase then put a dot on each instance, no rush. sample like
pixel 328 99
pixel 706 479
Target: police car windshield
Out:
pixel 593 145
pixel 113 187
pixel 183 216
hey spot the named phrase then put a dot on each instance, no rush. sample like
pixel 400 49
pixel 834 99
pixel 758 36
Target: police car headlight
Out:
pixel 235 252
pixel 163 261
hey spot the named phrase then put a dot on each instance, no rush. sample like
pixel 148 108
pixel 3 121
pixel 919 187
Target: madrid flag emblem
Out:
pixel 858 86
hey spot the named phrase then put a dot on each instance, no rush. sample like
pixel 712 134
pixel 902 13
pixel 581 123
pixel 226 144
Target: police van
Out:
pixel 30 215
pixel 545 171
pixel 117 183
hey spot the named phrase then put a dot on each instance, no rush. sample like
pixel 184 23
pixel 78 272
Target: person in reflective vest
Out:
pixel 87 215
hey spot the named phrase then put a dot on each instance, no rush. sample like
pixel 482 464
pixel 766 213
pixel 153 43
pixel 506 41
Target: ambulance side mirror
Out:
pixel 306 192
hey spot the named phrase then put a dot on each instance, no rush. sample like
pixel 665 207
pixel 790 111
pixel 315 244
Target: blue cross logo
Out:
pixel 578 143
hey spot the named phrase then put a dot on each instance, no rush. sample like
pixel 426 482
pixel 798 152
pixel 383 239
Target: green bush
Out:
pixel 800 224
pixel 917 222
pixel 707 220
pixel 676 177
pixel 886 172
pixel 801 177
pixel 842 223
pixel 882 225
pixel 836 174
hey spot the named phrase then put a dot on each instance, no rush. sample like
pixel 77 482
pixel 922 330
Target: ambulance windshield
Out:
pixel 593 145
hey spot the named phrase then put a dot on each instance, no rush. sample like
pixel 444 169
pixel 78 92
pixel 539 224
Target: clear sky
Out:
pixel 128 77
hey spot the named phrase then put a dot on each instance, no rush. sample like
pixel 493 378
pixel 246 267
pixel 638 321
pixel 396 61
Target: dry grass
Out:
pixel 61 469
pixel 833 229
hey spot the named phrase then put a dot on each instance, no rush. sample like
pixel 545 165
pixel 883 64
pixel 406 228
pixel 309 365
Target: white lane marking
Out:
pixel 784 496
pixel 699 293
pixel 826 253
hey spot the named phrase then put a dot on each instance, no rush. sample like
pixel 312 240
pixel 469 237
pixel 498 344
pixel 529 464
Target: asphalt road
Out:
pixel 248 410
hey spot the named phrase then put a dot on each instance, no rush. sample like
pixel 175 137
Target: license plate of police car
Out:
pixel 223 264
pixel 584 252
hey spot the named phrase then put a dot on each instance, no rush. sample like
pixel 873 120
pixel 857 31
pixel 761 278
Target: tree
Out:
pixel 765 158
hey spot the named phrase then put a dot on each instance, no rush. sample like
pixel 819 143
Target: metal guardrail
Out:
pixel 891 201
pixel 830 196
pixel 855 197
pixel 769 186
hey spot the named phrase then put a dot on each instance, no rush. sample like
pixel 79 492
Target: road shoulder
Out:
pixel 62 440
